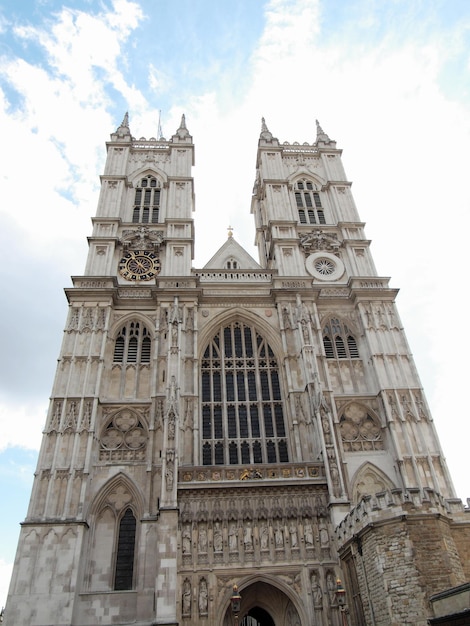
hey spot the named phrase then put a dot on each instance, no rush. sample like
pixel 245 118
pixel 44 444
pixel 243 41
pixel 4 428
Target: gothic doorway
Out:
pixel 264 604
pixel 257 617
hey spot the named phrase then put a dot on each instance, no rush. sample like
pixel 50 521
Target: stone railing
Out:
pixel 244 276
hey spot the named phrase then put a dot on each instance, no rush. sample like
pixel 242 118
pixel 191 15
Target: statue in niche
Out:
pixel 174 334
pixel 189 320
pixel 186 539
pixel 171 424
pixel 217 538
pixel 279 536
pixel 233 537
pixel 286 318
pixel 334 473
pixel 264 536
pixel 308 534
pixel 169 475
pixel 317 593
pixel 186 601
pixel 294 541
pixel 203 597
pixel 202 543
pixel 324 537
pixel 248 536
pixel 326 426
pixel 305 333
pixel 331 588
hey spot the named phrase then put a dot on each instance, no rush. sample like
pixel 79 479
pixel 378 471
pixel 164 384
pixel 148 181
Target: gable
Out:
pixel 232 252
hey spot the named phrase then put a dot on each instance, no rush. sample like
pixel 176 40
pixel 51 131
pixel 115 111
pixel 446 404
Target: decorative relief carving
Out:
pixel 359 430
pixel 142 238
pixel 317 240
pixel 124 438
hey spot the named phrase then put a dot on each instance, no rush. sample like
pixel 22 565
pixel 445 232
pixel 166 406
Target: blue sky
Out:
pixel 388 79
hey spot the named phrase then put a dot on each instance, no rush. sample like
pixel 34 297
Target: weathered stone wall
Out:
pixel 407 546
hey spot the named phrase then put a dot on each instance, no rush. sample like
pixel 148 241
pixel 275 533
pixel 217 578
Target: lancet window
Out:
pixel 133 344
pixel 242 409
pixel 308 203
pixel 124 570
pixel 339 341
pixel 147 201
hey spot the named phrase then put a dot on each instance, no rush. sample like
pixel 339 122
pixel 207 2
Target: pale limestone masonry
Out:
pixel 249 423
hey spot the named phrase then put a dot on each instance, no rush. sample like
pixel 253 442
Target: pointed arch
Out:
pixel 339 337
pixel 138 174
pixel 133 337
pixel 119 485
pixel 242 408
pixel 305 172
pixel 115 516
pixel 369 480
pixel 239 314
pixel 267 592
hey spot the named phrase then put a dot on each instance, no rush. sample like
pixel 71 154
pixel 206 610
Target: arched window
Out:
pixel 338 340
pixel 147 201
pixel 308 203
pixel 124 571
pixel 133 344
pixel 242 409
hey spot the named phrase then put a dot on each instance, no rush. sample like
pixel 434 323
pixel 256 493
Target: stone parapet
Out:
pixel 390 504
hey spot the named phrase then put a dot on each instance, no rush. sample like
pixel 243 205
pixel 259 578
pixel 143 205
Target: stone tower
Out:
pixel 258 424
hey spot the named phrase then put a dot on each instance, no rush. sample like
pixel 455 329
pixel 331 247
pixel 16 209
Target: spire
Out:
pixel 321 135
pixel 182 133
pixel 123 131
pixel 159 130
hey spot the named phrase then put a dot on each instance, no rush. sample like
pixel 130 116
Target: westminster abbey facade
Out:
pixel 247 442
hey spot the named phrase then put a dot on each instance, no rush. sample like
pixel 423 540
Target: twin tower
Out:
pixel 249 429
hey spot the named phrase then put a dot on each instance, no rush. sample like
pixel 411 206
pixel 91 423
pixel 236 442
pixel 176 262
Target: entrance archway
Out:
pixel 264 604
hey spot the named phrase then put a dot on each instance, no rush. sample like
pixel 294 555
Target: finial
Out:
pixel 123 130
pixel 230 232
pixel 321 135
pixel 265 134
pixel 182 132
pixel 159 130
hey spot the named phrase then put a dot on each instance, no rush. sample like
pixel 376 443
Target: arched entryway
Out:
pixel 264 604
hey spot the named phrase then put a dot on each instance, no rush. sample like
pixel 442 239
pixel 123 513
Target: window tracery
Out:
pixel 308 203
pixel 360 430
pixel 147 200
pixel 339 341
pixel 242 410
pixel 124 438
pixel 133 344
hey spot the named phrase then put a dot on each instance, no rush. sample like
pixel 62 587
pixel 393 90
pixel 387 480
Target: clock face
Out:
pixel 139 265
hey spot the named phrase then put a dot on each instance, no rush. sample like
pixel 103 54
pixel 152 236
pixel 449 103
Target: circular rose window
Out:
pixel 324 266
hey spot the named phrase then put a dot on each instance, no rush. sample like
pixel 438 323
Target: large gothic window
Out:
pixel 339 341
pixel 147 201
pixel 308 203
pixel 242 410
pixel 133 344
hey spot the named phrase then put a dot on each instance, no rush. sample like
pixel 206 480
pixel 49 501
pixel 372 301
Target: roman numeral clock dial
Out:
pixel 139 265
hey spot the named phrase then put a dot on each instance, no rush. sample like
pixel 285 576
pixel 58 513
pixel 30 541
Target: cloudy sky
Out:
pixel 388 79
